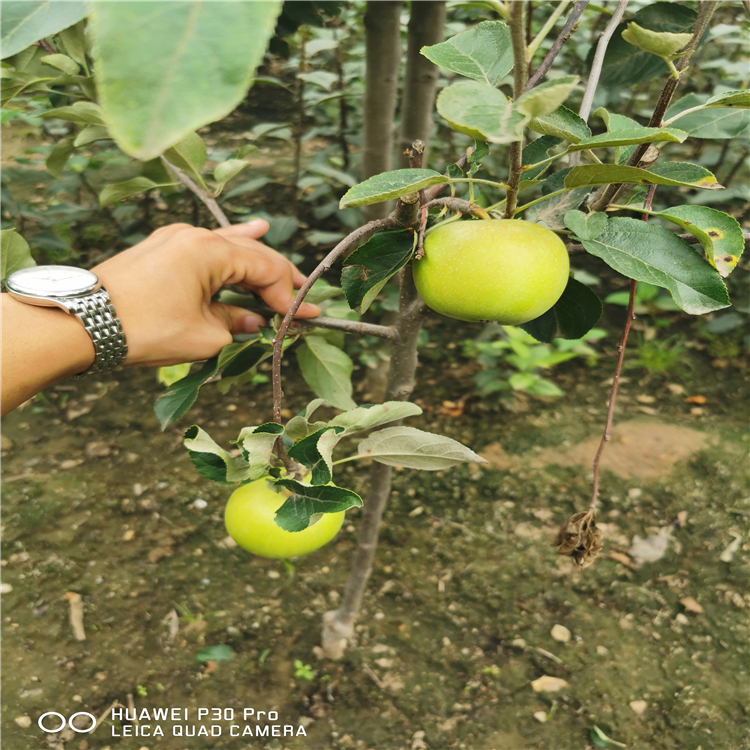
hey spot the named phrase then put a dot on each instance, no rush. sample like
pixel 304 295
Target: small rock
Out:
pixel 98 449
pixel 696 411
pixel 682 518
pixel 5 588
pixel 602 650
pixel 635 493
pixel 199 504
pixel 137 489
pixel 540 716
pixel 560 633
pixel 385 663
pixel 691 605
pixel 676 389
pixel 638 707
pixel 23 721
pixel 416 512
pixel 518 643
pixel 5 443
pixel 681 619
pixel 547 684
pixel 129 535
pixel 273 574
pixel 71 463
pixel 645 399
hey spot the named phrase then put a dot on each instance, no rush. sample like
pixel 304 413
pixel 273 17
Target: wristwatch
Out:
pixel 80 293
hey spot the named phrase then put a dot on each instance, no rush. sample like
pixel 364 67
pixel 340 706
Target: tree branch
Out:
pixel 211 204
pixel 431 192
pixel 520 73
pixel 705 11
pixel 596 69
pixel 570 26
pixel 348 326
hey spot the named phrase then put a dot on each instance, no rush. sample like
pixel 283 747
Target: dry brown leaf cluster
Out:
pixel 580 539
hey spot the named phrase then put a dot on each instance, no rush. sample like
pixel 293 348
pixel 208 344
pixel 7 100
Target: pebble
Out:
pixel 547 684
pixel 638 707
pixel 560 633
pixel 129 535
pixel 273 574
pixel 23 721
pixel 5 588
pixel 200 504
pixel 540 716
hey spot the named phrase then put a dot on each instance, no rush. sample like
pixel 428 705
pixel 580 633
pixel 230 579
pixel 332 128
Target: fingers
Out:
pixel 252 229
pixel 237 319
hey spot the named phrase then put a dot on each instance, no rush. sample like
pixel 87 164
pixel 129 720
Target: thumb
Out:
pixel 237 319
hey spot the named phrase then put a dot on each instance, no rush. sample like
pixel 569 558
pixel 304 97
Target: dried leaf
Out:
pixel 691 605
pixel 579 538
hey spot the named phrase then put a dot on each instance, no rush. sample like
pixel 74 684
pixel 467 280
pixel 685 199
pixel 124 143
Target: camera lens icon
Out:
pixel 66 722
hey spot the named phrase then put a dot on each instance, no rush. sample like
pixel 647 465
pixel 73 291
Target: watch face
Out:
pixel 52 281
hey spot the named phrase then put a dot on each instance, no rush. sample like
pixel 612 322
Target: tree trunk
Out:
pixel 338 625
pixel 383 58
pixel 426 27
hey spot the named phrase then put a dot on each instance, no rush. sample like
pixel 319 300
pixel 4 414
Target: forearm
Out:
pixel 41 346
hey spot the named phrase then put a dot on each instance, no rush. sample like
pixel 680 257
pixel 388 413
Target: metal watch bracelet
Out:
pixel 100 320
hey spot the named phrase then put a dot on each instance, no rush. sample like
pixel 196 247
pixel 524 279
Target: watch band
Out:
pixel 100 320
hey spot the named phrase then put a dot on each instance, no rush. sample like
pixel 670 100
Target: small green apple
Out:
pixel 507 271
pixel 250 520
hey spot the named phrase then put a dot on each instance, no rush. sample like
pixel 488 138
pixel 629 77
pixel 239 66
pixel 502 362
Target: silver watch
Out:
pixel 80 293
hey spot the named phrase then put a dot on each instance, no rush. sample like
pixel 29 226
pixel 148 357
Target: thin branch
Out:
pixel 570 26
pixel 211 204
pixel 549 23
pixel 596 68
pixel 520 74
pixel 45 45
pixel 348 326
pixel 705 11
pixel 618 369
pixel 458 205
pixel 431 192
pixel 746 3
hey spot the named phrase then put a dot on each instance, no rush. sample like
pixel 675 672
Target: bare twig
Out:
pixel 458 205
pixel 76 615
pixel 705 11
pixel 596 69
pixel 211 204
pixel 618 368
pixel 746 3
pixel 347 326
pixel 431 192
pixel 570 26
pixel 520 73
pixel 45 45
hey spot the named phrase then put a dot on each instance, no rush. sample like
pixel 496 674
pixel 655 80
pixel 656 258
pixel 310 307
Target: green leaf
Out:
pixel 84 113
pixel 228 170
pixel 537 151
pixel 731 99
pixel 368 268
pixel 551 212
pixel 15 253
pixel 24 23
pixel 61 62
pixel 474 160
pixel 562 123
pixel 171 374
pixel 631 136
pixel 484 53
pixel 651 253
pixel 120 190
pixel 315 450
pixel 74 41
pixel 189 155
pixel 177 399
pixel 214 653
pixel 615 123
pixel 368 416
pixel 709 123
pixel 415 449
pixel 666 173
pixel 165 69
pixel 663 44
pixel 586 226
pixel 624 64
pixel 571 317
pixel 59 156
pixel 256 445
pixel 327 370
pixel 90 134
pixel 212 461
pixel 307 500
pixel 719 234
pixel 546 97
pixel 481 112
pixel 387 185
pixel 237 359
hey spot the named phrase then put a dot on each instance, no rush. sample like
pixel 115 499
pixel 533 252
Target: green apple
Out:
pixel 507 271
pixel 250 520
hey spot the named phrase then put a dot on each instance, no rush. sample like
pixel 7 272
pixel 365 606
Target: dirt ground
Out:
pixel 469 610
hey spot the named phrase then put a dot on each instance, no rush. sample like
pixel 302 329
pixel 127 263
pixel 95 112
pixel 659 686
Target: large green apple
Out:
pixel 250 520
pixel 507 271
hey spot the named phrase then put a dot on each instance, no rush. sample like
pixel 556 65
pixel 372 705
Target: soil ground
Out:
pixel 458 619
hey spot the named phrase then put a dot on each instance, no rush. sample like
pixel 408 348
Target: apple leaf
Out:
pixel 537 151
pixel 615 123
pixel 367 416
pixel 719 234
pixel 667 173
pixel 483 113
pixel 552 211
pixel 387 185
pixel 327 370
pixel 664 44
pixel 368 268
pixel 562 123
pixel 24 23
pixel 630 137
pixel 90 134
pixel 651 253
pixel 256 445
pixel 59 156
pixel 15 253
pixel 734 99
pixel 179 397
pixel 415 449
pixel 307 500
pixel 571 317
pixel 709 122
pixel 228 170
pixel 547 97
pixel 484 53
pixel 586 226
pixel 118 191
pixel 315 451
pixel 83 113
pixel 212 461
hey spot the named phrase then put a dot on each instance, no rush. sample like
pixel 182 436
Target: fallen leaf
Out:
pixel 547 684
pixel 650 549
pixel 695 400
pixel 729 552
pixel 623 559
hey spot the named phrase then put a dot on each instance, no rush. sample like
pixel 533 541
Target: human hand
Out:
pixel 161 289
